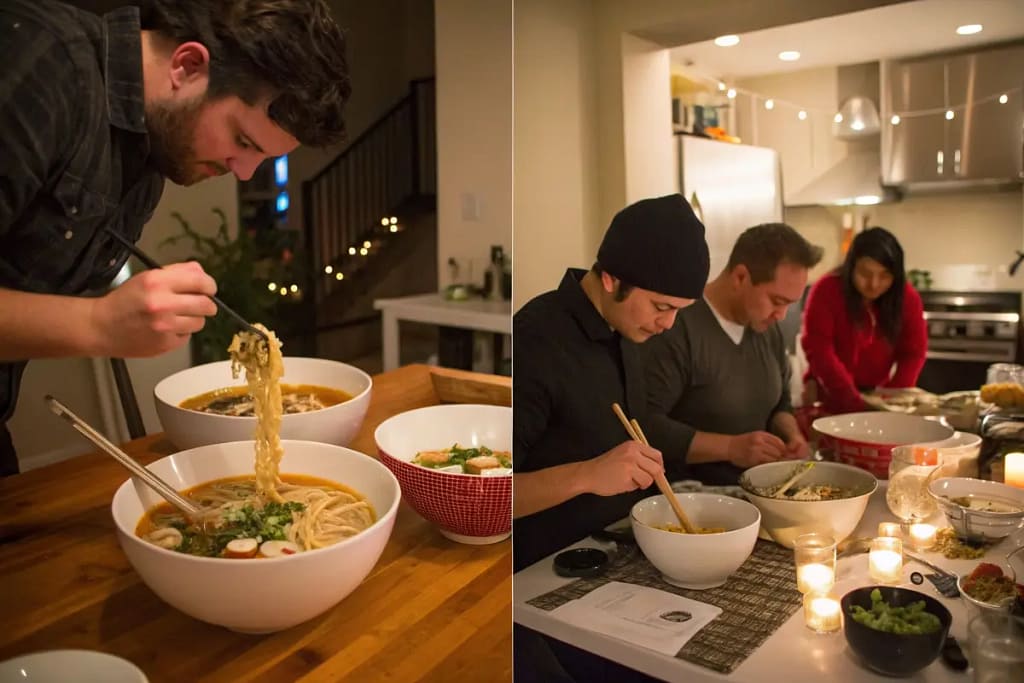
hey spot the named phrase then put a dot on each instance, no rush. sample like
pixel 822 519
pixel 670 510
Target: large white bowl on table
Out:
pixel 61 666
pixel 467 508
pixel 979 525
pixel 784 519
pixel 866 439
pixel 258 596
pixel 696 560
pixel 337 424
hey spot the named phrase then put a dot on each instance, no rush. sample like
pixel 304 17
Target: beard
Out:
pixel 171 130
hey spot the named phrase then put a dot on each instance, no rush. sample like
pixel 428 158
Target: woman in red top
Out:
pixel 862 320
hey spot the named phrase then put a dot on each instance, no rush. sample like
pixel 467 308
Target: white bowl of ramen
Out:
pixel 343 389
pixel 696 561
pixel 808 506
pixel 258 595
pixel 466 507
pixel 979 510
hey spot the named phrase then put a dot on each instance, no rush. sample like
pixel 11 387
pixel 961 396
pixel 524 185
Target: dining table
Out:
pixel 791 653
pixel 431 609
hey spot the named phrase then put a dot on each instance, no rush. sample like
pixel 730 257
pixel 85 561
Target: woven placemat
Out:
pixel 756 600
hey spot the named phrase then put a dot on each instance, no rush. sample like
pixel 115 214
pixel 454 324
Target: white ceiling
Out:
pixel 900 30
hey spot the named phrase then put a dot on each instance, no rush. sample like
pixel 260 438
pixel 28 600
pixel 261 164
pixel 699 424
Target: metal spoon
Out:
pixel 187 507
pixel 150 263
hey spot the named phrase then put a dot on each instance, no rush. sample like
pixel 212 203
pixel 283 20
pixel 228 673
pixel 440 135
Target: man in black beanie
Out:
pixel 577 353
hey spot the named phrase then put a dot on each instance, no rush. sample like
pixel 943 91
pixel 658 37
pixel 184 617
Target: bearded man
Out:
pixel 96 112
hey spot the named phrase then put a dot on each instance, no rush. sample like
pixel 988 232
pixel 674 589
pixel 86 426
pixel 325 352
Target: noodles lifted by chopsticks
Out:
pixel 263 370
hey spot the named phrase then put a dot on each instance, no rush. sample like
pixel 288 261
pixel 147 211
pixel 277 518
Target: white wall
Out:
pixel 556 179
pixel 474 131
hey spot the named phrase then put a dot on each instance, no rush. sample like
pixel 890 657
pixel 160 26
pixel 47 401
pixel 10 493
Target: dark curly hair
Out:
pixel 290 52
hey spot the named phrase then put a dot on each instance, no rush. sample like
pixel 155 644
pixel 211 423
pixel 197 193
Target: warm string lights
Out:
pixel 802 111
pixel 387 224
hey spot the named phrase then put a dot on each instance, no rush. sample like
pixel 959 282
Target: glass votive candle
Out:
pixel 890 529
pixel 885 559
pixel 822 613
pixel 922 536
pixel 815 558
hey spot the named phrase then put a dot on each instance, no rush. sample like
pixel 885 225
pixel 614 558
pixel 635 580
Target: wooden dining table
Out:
pixel 430 610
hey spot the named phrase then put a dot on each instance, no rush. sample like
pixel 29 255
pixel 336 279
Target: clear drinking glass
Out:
pixel 911 469
pixel 995 647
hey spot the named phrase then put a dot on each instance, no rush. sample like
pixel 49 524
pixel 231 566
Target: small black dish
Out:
pixel 894 654
pixel 581 563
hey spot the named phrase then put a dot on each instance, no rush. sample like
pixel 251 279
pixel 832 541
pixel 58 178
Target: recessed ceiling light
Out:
pixel 969 29
pixel 727 41
pixel 789 56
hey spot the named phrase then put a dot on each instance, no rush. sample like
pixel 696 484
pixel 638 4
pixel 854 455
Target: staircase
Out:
pixel 371 225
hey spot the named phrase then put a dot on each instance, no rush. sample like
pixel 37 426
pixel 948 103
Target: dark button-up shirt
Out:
pixel 568 369
pixel 73 152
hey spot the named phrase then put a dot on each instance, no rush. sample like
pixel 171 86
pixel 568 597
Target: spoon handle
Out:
pixel 151 480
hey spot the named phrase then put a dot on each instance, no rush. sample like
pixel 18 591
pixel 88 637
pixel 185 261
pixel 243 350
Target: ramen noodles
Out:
pixel 242 523
pixel 677 529
pixel 471 460
pixel 237 402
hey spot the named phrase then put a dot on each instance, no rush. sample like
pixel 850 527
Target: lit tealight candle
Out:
pixel 890 529
pixel 922 536
pixel 815 578
pixel 821 613
pixel 885 560
pixel 1013 470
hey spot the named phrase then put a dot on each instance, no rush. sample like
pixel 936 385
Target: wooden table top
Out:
pixel 431 609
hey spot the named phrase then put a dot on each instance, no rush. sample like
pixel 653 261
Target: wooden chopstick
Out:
pixel 637 434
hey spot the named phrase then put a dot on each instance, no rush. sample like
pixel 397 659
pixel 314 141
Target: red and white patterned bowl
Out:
pixel 866 439
pixel 467 508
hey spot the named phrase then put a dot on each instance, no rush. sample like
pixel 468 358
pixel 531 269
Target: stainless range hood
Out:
pixel 856 179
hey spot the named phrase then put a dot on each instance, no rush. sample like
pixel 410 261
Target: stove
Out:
pixel 967 332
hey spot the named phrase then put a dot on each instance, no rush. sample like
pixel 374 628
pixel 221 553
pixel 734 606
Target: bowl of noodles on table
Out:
pixel 321 400
pixel 287 528
pixel 726 533
pixel 454 464
pixel 830 498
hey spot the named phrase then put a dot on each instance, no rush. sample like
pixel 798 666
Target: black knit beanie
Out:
pixel 657 244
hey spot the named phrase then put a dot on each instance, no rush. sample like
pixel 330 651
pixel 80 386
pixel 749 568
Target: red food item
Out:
pixel 986 569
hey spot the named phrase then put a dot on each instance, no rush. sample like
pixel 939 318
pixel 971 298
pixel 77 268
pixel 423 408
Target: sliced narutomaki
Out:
pixel 241 548
pixel 278 548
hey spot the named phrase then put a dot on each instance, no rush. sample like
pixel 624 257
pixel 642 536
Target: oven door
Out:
pixel 941 376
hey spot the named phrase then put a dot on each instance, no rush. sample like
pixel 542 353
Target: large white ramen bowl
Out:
pixel 259 596
pixel 336 424
pixel 784 519
pixel 696 561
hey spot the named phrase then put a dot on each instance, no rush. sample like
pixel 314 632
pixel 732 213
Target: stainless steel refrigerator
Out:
pixel 731 187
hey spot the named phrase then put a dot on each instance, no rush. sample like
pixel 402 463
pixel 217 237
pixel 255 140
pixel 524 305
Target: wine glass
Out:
pixel 911 469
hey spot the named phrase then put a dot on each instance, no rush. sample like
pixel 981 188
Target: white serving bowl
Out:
pixel 467 508
pixel 696 560
pixel 258 596
pixel 61 666
pixel 784 519
pixel 336 424
pixel 866 439
pixel 978 525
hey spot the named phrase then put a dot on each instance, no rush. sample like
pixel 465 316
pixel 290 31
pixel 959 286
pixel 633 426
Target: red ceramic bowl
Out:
pixel 866 440
pixel 467 508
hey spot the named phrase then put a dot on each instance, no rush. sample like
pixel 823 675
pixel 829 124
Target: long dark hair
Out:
pixel 878 244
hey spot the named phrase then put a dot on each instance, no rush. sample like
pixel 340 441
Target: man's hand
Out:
pixel 797 448
pixel 627 467
pixel 754 448
pixel 154 312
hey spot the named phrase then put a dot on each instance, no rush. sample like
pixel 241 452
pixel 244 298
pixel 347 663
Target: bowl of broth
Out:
pixel 979 511
pixel 323 400
pixel 306 558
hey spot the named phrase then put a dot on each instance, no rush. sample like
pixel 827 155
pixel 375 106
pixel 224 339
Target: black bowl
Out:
pixel 894 654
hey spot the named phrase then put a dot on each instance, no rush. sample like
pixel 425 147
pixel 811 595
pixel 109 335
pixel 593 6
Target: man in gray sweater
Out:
pixel 718 381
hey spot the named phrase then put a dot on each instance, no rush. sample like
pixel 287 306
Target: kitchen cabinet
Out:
pixel 983 142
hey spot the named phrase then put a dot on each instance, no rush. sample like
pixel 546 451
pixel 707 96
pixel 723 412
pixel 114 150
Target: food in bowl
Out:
pixel 995 510
pixel 474 460
pixel 238 402
pixel 696 561
pixel 243 524
pixel 985 505
pixel 798 491
pixel 466 508
pixel 678 529
pixel 884 617
pixel 953 548
pixel 783 519
pixel 988 584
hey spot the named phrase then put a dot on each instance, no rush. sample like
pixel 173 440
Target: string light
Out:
pixel 366 244
pixel 351 251
pixel 838 118
pixel 364 251
pixel 769 104
pixel 1003 99
pixel 895 120
pixel 339 276
pixel 802 115
pixel 329 269
pixel 731 94
pixel 950 115
pixel 294 288
pixel 272 286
